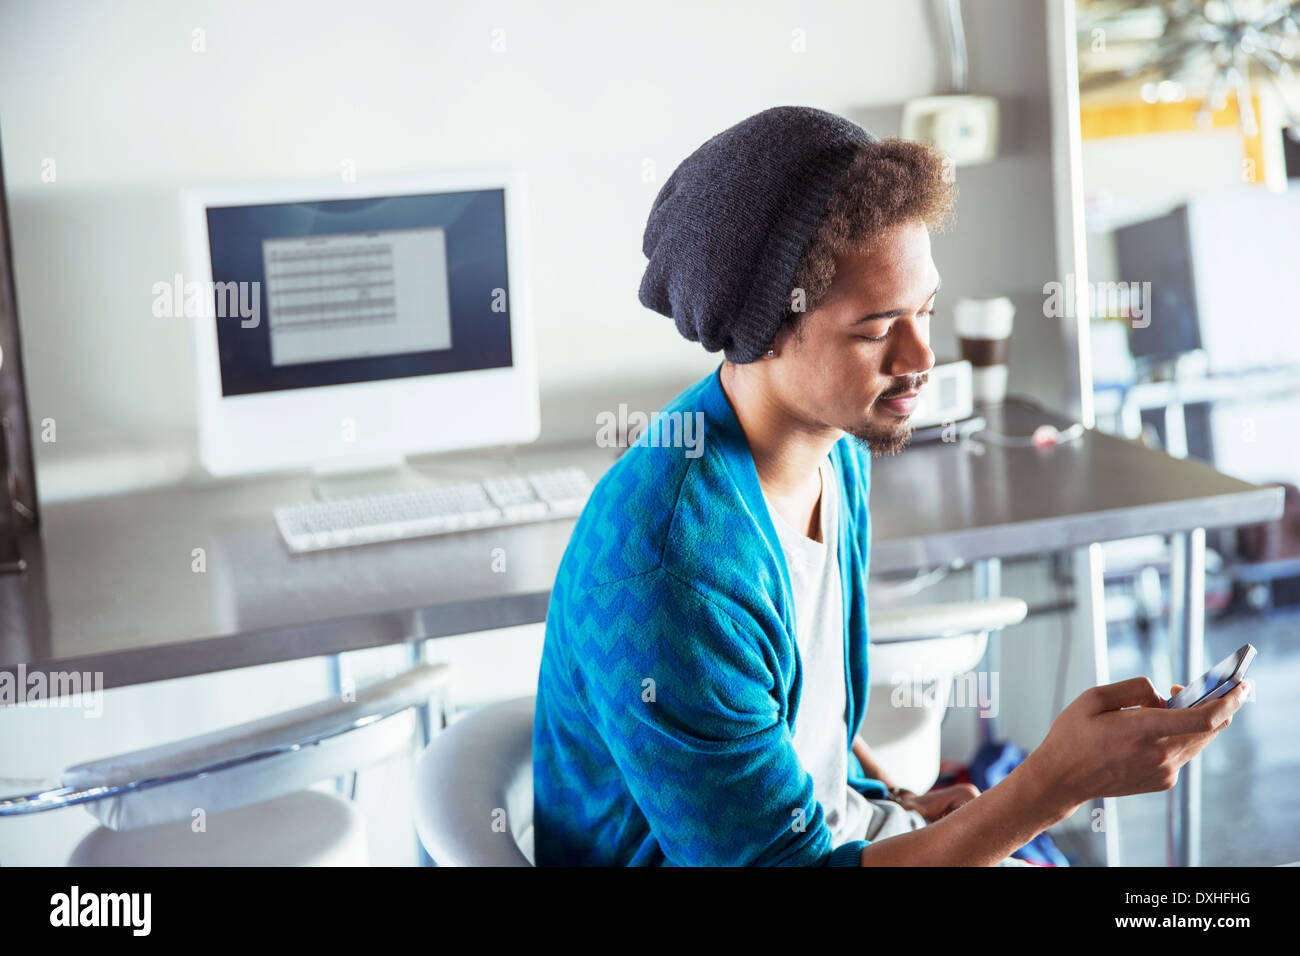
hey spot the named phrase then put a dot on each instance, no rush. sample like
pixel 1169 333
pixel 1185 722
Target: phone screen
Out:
pixel 1211 680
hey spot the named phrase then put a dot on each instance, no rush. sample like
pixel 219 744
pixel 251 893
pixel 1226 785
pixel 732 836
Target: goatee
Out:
pixel 883 441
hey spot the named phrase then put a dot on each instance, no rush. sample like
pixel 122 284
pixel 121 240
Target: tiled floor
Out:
pixel 1250 804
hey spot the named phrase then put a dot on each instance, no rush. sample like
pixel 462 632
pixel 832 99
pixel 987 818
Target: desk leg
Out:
pixel 418 653
pixel 1089 657
pixel 988 584
pixel 335 664
pixel 1187 633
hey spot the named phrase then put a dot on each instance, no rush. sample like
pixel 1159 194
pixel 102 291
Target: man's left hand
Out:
pixel 939 803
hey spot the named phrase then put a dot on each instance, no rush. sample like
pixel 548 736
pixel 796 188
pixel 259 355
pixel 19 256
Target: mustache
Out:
pixel 911 385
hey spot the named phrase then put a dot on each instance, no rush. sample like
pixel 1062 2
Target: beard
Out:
pixel 883 441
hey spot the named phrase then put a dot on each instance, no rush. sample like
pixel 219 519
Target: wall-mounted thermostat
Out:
pixel 962 127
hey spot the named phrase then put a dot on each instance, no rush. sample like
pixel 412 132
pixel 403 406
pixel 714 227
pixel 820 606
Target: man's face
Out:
pixel 864 352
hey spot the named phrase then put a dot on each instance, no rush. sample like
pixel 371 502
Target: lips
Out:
pixel 901 404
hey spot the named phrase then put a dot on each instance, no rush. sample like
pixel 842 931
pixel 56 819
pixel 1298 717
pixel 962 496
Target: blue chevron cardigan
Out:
pixel 670 678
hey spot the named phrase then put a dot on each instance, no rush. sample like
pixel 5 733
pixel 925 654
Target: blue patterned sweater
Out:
pixel 670 678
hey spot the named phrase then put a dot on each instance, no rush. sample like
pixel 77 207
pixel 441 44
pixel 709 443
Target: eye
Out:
pixel 929 314
pixel 889 330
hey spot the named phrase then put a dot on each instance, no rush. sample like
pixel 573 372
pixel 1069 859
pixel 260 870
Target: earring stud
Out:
pixel 771 352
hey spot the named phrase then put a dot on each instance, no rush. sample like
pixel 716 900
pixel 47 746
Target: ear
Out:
pixel 789 336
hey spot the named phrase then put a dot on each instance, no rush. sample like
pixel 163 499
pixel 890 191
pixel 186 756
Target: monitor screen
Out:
pixel 359 290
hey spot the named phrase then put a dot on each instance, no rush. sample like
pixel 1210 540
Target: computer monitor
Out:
pixel 343 326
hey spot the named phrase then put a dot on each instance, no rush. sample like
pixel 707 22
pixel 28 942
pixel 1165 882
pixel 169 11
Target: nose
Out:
pixel 911 354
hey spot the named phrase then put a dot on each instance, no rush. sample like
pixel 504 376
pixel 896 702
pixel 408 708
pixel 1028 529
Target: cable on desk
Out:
pixel 1044 436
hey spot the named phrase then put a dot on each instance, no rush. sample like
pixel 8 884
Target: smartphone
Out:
pixel 1217 681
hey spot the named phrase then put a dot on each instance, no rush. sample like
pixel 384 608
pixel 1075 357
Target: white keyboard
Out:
pixel 439 509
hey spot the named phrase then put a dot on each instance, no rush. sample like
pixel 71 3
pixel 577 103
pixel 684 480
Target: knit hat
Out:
pixel 729 227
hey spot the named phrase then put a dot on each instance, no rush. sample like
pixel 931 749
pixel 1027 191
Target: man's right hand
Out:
pixel 1118 739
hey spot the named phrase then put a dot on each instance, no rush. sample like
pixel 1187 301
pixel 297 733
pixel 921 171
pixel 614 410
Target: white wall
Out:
pixel 584 97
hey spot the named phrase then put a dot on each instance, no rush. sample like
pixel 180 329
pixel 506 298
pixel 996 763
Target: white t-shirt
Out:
pixel 821 730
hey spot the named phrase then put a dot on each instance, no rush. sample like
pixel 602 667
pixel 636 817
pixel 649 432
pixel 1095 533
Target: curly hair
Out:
pixel 889 182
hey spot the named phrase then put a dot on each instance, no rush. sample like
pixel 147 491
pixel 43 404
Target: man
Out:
pixel 705 664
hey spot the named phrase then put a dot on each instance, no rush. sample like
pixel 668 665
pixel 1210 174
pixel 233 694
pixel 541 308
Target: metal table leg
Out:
pixel 335 665
pixel 426 725
pixel 1187 648
pixel 1090 653
pixel 417 653
pixel 988 584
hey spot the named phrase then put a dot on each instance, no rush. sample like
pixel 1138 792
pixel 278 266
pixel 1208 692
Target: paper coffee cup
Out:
pixel 989 384
pixel 983 328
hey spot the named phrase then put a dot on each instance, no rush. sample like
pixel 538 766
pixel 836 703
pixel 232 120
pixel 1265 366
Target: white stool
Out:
pixel 922 648
pixel 306 828
pixel 252 781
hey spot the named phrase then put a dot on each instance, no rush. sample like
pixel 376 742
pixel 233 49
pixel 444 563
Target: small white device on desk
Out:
pixel 946 395
pixel 945 408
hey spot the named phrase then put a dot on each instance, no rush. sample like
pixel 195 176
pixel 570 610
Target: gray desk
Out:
pixel 971 500
pixel 114 586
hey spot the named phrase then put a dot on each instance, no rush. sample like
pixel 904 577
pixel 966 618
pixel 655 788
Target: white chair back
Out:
pixel 474 788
